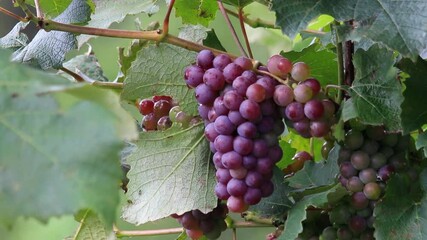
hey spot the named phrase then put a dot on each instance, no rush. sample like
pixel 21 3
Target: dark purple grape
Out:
pixel 236 118
pixel 249 162
pixel 216 159
pixel 223 143
pixel 357 224
pixel 359 201
pixel 244 62
pixel 360 160
pixel 247 130
pixel 344 155
pixel 354 184
pixel 268 108
pixel 205 95
pixel 367 235
pixel 223 125
pixel 252 196
pixel 236 187
pixel 203 111
pixel 303 127
pixel 231 72
pixel 275 153
pixel 221 191
pixel 254 179
pixel 256 93
pixel 319 128
pixel 398 161
pixel 368 175
pixel 387 151
pixel 223 175
pixel 260 148
pixel 193 76
pixel 243 145
pixel 295 111
pixel 283 95
pixel 189 222
pixel 232 100
pixel 221 61
pixel 372 191
pixel 241 84
pixel 267 188
pixel 210 132
pixel 219 107
pixel 385 172
pixel 205 59
pixel 250 110
pixel 232 160
pixel 265 165
pixel 329 108
pixel 313 109
pixel 266 125
pixel 207 225
pixel 212 147
pixel 347 170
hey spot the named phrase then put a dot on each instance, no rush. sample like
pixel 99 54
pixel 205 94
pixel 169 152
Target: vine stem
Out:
pixel 11 14
pixel 242 26
pixel 28 14
pixel 39 11
pixel 134 233
pixel 166 20
pixel 271 75
pixel 230 26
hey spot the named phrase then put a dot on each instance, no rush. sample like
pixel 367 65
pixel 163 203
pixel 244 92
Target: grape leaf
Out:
pixel 239 3
pixel 323 64
pixel 297 214
pixel 91 227
pixel 15 39
pixel 288 154
pixel 402 216
pixel 414 111
pixel 194 33
pixel 213 41
pixel 278 203
pixel 170 173
pixel 159 70
pixel 196 11
pixel 317 174
pixel 88 65
pixel 400 25
pixel 112 11
pixel 53 8
pixel 422 142
pixel 56 149
pixel 48 49
pixel 376 94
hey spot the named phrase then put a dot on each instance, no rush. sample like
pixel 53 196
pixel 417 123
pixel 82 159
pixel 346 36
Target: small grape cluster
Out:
pixel 242 124
pixel 198 224
pixel 160 112
pixel 308 111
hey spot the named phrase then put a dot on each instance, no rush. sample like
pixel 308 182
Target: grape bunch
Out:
pixel 198 224
pixel 242 124
pixel 308 111
pixel 160 112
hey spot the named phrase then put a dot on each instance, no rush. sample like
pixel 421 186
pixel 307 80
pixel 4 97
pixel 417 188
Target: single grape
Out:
pixel 303 127
pixel 221 61
pixel 279 66
pixel 313 84
pixel 207 225
pixel 189 222
pixel 398 161
pixel 340 214
pixel 360 160
pixel 283 95
pixel 385 172
pixel 223 175
pixel 212 115
pixel 347 170
pixel 205 95
pixel 205 59
pixel 243 145
pixel 295 111
pixel 203 111
pixel 214 79
pixel 354 184
pixel 250 75
pixel 237 204
pixel 241 84
pixel 269 84
pixel 232 71
pixel 368 175
pixel 173 112
pixel 268 108
pixel 244 62
pixel 357 224
pixel 390 139
pixel 260 148
pixel 194 234
pixel 329 108
pixel 343 233
pixel 221 191
pixel 319 128
pixel 162 97
pixel 275 153
pixel 254 179
pixel 161 108
pixel 219 106
pixel 223 143
pixel 366 212
pixel 265 165
pixel 300 71
pixel 232 160
pixel 256 93
pixel 236 187
pixel 236 118
pixel 353 140
pixel 372 191
pixel 149 122
pixel 359 201
pixel 233 100
pixel 367 235
pixel 239 173
pixel 313 109
pixel 303 93
pixel 378 160
pixel 146 106
pixel 326 148
pixel 224 126
pixel 164 123
pixel 216 159
pixel 193 76
pixel 250 110
pixel 183 118
pixel 252 196
pixel 329 233
pixel 247 130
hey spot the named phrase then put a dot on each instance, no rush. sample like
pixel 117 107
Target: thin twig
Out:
pixel 110 85
pixel 254 23
pixel 166 20
pixel 77 77
pixel 271 75
pixel 39 11
pixel 340 65
pixel 230 26
pixel 11 14
pixel 28 14
pixel 234 234
pixel 242 26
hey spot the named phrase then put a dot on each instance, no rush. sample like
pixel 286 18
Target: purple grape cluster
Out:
pixel 198 224
pixel 242 124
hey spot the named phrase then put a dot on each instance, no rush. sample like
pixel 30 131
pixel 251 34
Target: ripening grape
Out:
pixel 279 66
pixel 283 95
pixel 214 79
pixel 221 61
pixel 300 71
pixel 146 106
pixel 303 93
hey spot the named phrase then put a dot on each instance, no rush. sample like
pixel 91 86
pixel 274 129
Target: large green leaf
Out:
pixel 402 214
pixel 323 64
pixel 278 203
pixel 86 64
pixel 376 93
pixel 297 214
pixel 422 142
pixel 159 70
pixel 15 39
pixel 91 227
pixel 414 113
pixel 48 49
pixel 196 11
pixel 170 173
pixel 57 150
pixel 112 11
pixel 53 8
pixel 400 25
pixel 317 174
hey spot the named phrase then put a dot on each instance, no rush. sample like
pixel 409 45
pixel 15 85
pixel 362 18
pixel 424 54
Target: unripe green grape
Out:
pixel 372 191
pixel 173 112
pixel 353 140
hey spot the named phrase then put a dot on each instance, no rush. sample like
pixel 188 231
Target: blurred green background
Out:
pixel 264 43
